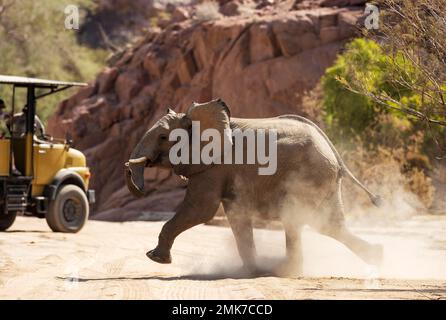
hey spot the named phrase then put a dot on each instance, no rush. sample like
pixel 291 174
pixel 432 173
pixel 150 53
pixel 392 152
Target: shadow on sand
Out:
pixel 196 277
pixel 213 277
pixel 27 231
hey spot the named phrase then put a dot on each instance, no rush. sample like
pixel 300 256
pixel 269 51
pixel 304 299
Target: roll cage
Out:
pixel 31 84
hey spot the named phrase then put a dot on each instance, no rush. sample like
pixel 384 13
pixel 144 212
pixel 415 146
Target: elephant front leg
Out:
pixel 193 211
pixel 185 218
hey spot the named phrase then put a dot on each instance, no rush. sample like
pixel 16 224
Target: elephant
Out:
pixel 304 190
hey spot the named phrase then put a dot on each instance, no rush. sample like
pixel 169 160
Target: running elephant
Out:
pixel 304 189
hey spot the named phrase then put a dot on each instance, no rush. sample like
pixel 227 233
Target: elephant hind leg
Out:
pixel 334 226
pixel 370 253
pixel 241 226
pixel 292 267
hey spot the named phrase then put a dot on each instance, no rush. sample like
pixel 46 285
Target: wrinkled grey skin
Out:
pixel 306 189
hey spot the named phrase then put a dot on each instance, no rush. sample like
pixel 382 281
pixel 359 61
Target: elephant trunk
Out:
pixel 134 172
pixel 134 177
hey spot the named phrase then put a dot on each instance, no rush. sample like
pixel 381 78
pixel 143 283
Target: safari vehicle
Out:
pixel 43 177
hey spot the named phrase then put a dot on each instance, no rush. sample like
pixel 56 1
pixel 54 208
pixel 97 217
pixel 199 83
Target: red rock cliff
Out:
pixel 262 64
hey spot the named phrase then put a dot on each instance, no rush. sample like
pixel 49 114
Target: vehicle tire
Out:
pixel 6 220
pixel 69 211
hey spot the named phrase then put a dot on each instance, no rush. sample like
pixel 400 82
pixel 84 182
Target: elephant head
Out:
pixel 153 148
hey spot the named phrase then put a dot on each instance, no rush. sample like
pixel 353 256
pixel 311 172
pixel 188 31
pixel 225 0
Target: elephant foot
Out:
pixel 253 271
pixel 247 270
pixel 158 256
pixel 289 270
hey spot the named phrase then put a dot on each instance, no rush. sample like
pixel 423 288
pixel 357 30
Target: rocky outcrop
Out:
pixel 261 65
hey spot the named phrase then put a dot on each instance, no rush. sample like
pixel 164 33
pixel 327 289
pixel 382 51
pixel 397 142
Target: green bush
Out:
pixel 35 43
pixel 348 113
pixel 378 136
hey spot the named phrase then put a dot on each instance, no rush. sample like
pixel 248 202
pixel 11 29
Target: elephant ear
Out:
pixel 214 114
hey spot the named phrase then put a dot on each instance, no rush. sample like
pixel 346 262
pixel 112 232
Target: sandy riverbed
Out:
pixel 107 261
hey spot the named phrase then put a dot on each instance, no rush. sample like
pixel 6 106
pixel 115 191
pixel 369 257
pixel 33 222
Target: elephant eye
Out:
pixel 163 137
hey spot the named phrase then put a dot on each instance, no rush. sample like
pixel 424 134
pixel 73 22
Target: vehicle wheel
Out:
pixel 6 220
pixel 69 211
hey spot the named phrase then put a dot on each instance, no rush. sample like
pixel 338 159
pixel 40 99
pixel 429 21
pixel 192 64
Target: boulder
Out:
pixel 128 84
pixel 106 79
pixel 230 8
pixel 179 14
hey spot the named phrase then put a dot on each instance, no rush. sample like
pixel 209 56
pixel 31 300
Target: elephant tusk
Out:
pixel 138 160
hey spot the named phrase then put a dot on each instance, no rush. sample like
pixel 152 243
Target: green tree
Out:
pixel 35 43
pixel 411 41
pixel 375 132
pixel 350 113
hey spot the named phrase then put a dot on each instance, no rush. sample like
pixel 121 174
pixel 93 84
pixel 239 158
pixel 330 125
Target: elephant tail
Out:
pixel 376 199
pixel 345 171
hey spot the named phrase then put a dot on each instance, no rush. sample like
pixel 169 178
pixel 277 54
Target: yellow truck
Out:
pixel 41 176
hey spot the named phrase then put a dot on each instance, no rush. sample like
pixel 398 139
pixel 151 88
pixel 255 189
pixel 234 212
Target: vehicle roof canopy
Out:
pixel 38 83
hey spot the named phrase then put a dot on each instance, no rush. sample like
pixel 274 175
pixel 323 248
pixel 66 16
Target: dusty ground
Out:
pixel 107 261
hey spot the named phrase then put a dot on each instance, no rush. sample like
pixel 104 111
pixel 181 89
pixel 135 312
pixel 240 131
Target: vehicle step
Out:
pixel 16 197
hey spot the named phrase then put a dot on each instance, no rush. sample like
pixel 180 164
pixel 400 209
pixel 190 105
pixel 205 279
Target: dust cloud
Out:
pixel 414 246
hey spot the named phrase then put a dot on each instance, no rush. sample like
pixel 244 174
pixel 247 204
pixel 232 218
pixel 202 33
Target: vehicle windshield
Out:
pixel 12 122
